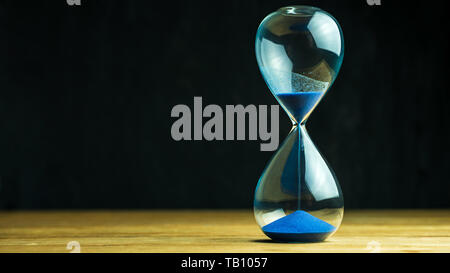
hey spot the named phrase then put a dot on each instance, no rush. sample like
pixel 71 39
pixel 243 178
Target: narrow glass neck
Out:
pixel 295 123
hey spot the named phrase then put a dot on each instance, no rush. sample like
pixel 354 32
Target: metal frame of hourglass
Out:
pixel 299 50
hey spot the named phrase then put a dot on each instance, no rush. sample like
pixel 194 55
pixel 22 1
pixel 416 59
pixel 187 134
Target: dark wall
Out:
pixel 86 94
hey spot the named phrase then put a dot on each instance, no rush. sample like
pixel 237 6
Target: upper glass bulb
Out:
pixel 299 50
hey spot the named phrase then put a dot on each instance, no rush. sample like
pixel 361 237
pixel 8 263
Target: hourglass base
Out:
pixel 298 237
pixel 299 226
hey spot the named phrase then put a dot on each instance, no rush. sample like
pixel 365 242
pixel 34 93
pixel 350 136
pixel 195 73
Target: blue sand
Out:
pixel 290 177
pixel 299 104
pixel 298 226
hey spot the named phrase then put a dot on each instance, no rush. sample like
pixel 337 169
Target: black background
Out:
pixel 86 94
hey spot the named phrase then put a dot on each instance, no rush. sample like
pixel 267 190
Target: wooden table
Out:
pixel 215 231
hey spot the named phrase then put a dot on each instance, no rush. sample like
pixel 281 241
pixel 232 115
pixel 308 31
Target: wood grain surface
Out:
pixel 215 231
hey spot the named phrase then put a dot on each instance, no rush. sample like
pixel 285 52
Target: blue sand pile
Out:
pixel 299 104
pixel 298 226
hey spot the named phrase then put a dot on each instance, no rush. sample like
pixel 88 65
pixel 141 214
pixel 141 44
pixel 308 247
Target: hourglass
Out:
pixel 299 50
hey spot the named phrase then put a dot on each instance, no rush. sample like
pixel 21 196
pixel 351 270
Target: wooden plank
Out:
pixel 215 231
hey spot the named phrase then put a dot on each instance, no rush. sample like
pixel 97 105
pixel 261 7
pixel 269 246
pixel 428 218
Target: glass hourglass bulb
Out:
pixel 299 50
